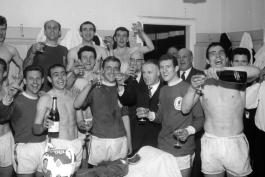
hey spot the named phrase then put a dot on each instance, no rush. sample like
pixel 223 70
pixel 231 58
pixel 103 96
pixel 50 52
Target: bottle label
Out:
pixel 54 128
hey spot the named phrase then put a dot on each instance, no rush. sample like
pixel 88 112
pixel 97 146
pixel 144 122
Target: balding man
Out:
pixel 173 50
pixel 185 59
pixel 186 71
pixel 48 53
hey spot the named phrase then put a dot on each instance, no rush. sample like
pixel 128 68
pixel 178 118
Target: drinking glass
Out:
pixel 98 78
pixel 18 79
pixel 142 111
pixel 123 77
pixel 177 134
pixel 89 124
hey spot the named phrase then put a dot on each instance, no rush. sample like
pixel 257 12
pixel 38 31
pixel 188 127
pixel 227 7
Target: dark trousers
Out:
pixel 259 154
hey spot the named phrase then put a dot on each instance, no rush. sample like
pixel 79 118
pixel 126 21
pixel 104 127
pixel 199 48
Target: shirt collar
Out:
pixel 175 83
pixel 187 72
pixel 29 96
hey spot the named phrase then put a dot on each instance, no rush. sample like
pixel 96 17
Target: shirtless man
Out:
pixel 87 32
pixel 69 117
pixel 224 147
pixel 6 137
pixel 7 52
pixel 123 52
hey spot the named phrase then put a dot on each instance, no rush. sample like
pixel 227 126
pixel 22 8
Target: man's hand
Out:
pixel 85 125
pixel 211 72
pixel 183 134
pixel 47 123
pixel 78 69
pixel 129 144
pixel 13 88
pixel 109 42
pixel 37 47
pixel 41 93
pixel 138 27
pixel 130 72
pixel 197 80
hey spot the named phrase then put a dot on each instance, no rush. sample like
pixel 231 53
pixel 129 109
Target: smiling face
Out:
pixel 58 78
pixel 240 60
pixel 168 70
pixel 111 68
pixel 52 30
pixel 88 60
pixel 33 82
pixel 88 32
pixel 121 38
pixel 185 59
pixel 217 57
pixel 150 74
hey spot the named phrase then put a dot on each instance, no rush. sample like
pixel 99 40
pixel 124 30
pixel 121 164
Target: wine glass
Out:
pixel 123 76
pixel 107 40
pixel 202 78
pixel 98 78
pixel 18 79
pixel 142 111
pixel 135 70
pixel 89 124
pixel 177 134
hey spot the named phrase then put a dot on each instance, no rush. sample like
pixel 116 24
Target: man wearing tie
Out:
pixel 185 59
pixel 144 94
pixel 186 71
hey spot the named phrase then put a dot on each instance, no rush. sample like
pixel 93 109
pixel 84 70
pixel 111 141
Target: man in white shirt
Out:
pixel 255 98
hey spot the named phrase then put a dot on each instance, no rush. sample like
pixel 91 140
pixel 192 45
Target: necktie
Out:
pixel 149 91
pixel 183 76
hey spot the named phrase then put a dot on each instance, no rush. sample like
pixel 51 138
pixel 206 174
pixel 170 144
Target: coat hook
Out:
pixel 21 30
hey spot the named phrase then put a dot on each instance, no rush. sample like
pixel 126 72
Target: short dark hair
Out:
pixel 32 68
pixel 4 64
pixel 173 46
pixel 51 21
pixel 213 44
pixel 3 20
pixel 115 33
pixel 168 57
pixel 88 49
pixel 55 66
pixel 152 61
pixel 110 58
pixel 87 23
pixel 241 51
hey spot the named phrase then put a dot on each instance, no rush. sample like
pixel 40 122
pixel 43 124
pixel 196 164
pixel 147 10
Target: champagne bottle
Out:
pixel 55 117
pixel 239 77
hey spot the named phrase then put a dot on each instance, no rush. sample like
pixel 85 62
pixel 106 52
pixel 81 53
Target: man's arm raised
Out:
pixel 102 53
pixel 70 60
pixel 149 44
pixel 17 60
pixel 192 95
pixel 31 54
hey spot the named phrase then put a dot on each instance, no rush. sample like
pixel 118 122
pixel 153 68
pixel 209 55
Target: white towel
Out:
pixel 154 163
pixel 72 38
pixel 41 37
pixel 260 58
pixel 246 42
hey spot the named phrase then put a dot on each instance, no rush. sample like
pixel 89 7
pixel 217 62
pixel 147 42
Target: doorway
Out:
pixel 163 37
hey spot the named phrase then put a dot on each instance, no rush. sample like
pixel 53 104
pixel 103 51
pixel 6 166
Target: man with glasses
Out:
pixel 224 147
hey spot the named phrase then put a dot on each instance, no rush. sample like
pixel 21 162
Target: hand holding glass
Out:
pixel 98 78
pixel 141 112
pixel 177 134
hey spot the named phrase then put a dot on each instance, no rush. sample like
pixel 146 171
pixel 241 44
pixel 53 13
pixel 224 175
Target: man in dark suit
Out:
pixel 143 94
pixel 185 59
pixel 185 72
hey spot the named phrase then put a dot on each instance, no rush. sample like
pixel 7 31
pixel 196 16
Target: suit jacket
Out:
pixel 137 95
pixel 193 71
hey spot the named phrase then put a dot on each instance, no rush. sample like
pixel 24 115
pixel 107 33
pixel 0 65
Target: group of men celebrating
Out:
pixel 178 101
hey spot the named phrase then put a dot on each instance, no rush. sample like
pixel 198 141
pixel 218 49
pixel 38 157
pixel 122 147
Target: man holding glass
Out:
pixel 48 53
pixel 121 48
pixel 175 125
pixel 224 147
pixel 143 95
pixel 111 125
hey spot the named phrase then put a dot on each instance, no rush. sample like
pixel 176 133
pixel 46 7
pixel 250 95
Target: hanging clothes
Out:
pixel 227 44
pixel 260 58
